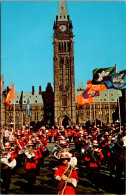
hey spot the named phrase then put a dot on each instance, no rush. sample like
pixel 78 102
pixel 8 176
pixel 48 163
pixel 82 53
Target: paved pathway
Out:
pixel 45 183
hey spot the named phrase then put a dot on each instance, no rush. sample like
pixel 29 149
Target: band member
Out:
pixel 96 156
pixel 30 164
pixel 50 134
pixel 8 162
pixel 66 174
pixel 69 133
pixel 55 134
pixel 20 145
pixel 5 135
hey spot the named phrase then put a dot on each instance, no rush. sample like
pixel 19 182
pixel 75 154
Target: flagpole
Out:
pixel 22 108
pixel 29 123
pixel 14 108
pixel 94 113
pixel 118 101
pixel 28 112
pixel 119 110
pixel 22 117
pixel 100 113
pixel 90 112
pixel 109 105
pixel 116 67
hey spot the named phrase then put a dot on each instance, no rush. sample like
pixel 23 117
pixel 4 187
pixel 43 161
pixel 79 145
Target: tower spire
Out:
pixel 62 11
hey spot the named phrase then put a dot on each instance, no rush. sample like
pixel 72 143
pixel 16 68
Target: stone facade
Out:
pixel 2 118
pixel 103 108
pixel 2 102
pixel 21 117
pixel 92 112
pixel 123 107
pixel 42 108
pixel 48 105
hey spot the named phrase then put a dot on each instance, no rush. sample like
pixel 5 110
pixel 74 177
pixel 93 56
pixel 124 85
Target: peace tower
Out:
pixel 63 60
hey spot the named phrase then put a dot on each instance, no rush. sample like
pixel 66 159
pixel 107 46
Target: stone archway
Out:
pixel 65 121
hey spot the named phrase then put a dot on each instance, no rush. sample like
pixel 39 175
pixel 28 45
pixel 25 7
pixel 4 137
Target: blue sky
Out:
pixel 26 42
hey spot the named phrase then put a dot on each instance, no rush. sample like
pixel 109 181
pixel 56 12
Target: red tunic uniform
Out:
pixel 44 141
pixel 55 132
pixel 20 143
pixel 69 133
pixel 50 133
pixel 69 187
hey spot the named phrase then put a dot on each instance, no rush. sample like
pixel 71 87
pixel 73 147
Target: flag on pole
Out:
pixel 90 94
pixel 116 80
pixel 82 101
pixel 100 73
pixel 21 101
pixel 97 88
pixel 28 107
pixel 91 87
pixel 10 96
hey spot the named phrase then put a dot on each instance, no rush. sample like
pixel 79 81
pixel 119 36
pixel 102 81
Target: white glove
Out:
pixel 29 156
pixel 73 181
pixel 69 180
pixel 64 177
pixel 12 164
pixel 4 160
pixel 58 178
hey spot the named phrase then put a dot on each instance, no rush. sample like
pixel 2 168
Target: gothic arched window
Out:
pixel 61 60
pixel 66 60
pixel 64 101
pixel 64 46
pixel 59 47
pixel 68 46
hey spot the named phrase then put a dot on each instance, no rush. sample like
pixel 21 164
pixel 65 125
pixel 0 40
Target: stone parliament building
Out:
pixel 59 106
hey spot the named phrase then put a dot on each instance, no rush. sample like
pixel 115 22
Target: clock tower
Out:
pixel 63 60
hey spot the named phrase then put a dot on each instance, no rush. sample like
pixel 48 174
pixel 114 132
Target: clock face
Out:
pixel 63 28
